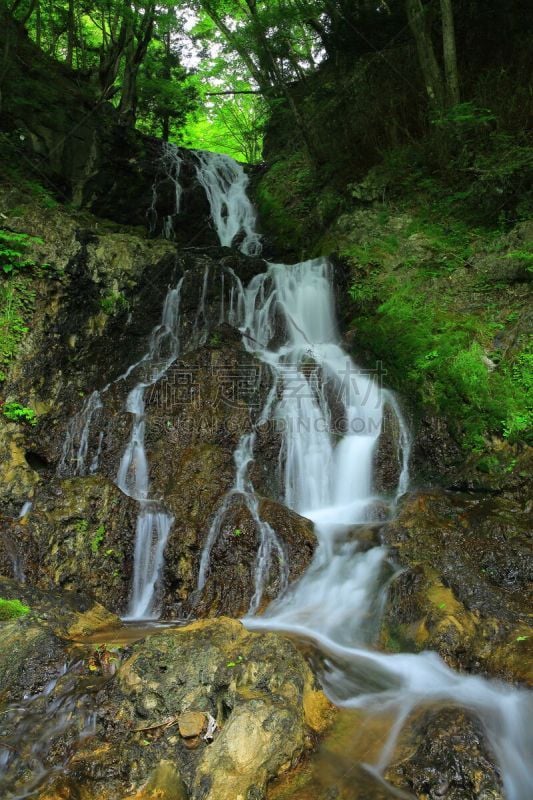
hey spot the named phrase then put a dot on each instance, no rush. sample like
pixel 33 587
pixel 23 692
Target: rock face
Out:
pixel 448 758
pixel 257 688
pixel 463 592
pixel 89 327
pixel 33 648
pixel 78 536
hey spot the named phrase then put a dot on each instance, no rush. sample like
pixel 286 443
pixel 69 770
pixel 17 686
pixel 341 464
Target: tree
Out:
pixel 442 89
pixel 117 45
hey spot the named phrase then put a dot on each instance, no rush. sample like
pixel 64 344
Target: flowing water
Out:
pixel 225 183
pixel 40 733
pixel 153 523
pixel 168 171
pixel 331 416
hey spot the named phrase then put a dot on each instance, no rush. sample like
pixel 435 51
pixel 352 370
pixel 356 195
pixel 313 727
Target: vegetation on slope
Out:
pixel 438 245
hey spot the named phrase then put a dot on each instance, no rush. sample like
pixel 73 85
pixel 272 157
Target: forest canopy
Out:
pixel 207 72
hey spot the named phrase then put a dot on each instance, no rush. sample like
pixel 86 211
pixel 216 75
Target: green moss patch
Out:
pixel 12 609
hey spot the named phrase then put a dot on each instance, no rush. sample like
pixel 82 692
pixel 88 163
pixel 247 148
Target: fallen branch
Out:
pixel 165 724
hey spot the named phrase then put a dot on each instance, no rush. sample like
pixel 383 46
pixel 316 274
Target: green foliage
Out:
pixel 16 304
pixel 17 295
pixel 97 539
pixel 435 354
pixel 233 125
pixel 476 173
pixel 287 199
pixel 12 609
pixel 15 412
pixel 13 247
pixel 464 119
pixel 113 303
pixel 235 663
pixel 82 526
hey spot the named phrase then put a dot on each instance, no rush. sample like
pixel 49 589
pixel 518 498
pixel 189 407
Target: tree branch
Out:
pixel 230 91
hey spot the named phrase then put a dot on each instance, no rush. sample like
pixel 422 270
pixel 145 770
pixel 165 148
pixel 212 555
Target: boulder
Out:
pixel 258 688
pixel 464 585
pixel 446 757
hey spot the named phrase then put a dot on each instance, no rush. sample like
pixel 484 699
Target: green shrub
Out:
pixel 17 295
pixel 13 250
pixel 434 356
pixel 113 302
pixel 15 412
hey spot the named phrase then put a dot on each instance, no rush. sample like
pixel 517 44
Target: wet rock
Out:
pixel 30 656
pixel 33 648
pixel 257 687
pixel 79 537
pixel 164 783
pixel 230 585
pixel 388 456
pixel 463 590
pixel 448 760
pixel 17 479
pixel 69 615
pixel 191 724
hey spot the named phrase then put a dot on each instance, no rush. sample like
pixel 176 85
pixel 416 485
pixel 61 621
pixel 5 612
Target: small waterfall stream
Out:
pixel 331 415
pixel 225 183
pixel 153 523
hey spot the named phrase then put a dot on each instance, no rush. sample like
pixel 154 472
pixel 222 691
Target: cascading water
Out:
pixel 225 183
pixel 331 416
pixel 153 523
pixel 168 169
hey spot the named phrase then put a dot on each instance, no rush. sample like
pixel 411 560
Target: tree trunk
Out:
pixel 135 51
pixel 70 34
pixel 450 55
pixel 167 74
pixel 231 39
pixel 38 24
pixel 419 23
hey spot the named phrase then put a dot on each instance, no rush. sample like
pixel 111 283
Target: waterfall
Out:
pixel 225 183
pixel 153 525
pixel 331 416
pixel 168 169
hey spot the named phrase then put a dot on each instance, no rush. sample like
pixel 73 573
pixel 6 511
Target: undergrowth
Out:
pixel 17 292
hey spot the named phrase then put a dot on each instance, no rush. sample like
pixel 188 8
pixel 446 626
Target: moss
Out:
pixel 113 303
pixel 435 297
pixel 97 539
pixel 286 199
pixel 12 609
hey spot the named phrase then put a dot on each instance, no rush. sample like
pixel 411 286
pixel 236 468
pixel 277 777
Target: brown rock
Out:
pixel 191 724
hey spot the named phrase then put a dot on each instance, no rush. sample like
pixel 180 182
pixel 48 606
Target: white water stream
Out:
pixel 331 415
pixel 225 183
